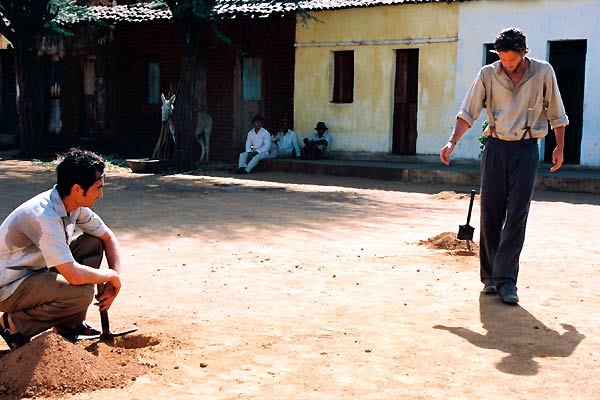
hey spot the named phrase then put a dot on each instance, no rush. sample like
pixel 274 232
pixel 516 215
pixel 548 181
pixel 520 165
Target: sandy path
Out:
pixel 299 287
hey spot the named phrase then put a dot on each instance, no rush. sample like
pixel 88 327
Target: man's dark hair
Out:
pixel 511 39
pixel 81 167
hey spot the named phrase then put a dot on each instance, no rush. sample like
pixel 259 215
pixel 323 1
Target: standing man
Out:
pixel 520 95
pixel 258 144
pixel 45 279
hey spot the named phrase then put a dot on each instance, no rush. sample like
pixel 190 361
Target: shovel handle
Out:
pixel 103 314
pixel 470 206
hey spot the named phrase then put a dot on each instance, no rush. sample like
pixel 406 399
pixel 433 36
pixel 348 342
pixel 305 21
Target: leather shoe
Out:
pixel 508 294
pixel 489 287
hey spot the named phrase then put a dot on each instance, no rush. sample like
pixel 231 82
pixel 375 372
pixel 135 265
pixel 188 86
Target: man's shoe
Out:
pixel 73 334
pixel 13 340
pixel 241 170
pixel 489 287
pixel 508 294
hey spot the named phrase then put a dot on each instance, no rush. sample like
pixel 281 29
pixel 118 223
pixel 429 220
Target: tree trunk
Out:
pixel 191 93
pixel 31 101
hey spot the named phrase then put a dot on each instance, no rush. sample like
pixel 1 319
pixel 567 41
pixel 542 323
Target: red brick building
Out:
pixel 104 83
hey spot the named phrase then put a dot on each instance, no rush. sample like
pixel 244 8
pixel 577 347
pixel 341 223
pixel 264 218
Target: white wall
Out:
pixel 542 21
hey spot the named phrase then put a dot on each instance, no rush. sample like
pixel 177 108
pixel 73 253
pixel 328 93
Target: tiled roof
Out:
pixel 316 5
pixel 151 11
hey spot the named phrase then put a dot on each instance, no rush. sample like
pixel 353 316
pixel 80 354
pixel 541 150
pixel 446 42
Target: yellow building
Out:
pixel 382 78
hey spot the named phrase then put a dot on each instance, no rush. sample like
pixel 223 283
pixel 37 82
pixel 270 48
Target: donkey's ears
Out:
pixel 162 96
pixel 172 99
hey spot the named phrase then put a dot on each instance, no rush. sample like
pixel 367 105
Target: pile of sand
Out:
pixel 450 195
pixel 50 365
pixel 448 241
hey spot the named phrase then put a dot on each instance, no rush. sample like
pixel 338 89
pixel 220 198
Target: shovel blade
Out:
pixel 112 335
pixel 465 232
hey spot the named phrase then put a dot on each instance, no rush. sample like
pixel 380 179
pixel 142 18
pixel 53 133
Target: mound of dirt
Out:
pixel 450 195
pixel 448 241
pixel 50 365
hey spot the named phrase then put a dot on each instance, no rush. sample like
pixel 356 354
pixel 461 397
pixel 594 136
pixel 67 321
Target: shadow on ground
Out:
pixel 513 330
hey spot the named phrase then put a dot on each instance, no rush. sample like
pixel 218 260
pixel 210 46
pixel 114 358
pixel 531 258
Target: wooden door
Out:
pixel 404 137
pixel 249 102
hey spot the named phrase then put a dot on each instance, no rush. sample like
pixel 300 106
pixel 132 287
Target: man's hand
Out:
pixel 446 151
pixel 108 295
pixel 557 159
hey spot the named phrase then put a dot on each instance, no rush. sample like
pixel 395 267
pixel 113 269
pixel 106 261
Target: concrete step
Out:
pixel 568 179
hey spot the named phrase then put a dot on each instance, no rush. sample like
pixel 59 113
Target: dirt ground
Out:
pixel 281 286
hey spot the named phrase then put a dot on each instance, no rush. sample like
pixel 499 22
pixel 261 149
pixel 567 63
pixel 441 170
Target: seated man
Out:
pixel 45 279
pixel 317 145
pixel 287 141
pixel 258 144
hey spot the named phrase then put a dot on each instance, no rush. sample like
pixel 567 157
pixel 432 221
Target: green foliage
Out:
pixel 31 18
pixel 483 139
pixel 68 13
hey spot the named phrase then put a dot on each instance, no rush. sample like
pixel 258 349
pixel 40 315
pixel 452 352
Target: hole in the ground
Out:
pixel 135 341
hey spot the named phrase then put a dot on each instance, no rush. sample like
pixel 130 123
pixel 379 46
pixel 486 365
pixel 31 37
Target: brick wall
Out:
pixel 138 123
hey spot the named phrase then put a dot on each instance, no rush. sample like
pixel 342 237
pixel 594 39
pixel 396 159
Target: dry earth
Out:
pixel 278 286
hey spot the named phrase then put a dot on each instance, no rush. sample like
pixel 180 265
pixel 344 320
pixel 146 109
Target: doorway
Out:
pixel 8 99
pixel 404 137
pixel 568 60
pixel 249 96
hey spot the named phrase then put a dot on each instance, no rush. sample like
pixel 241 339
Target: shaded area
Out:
pixel 183 203
pixel 515 331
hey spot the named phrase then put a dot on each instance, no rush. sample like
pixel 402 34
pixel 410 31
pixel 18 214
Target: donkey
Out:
pixel 204 125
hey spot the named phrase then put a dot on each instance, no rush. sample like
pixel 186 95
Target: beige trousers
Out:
pixel 45 298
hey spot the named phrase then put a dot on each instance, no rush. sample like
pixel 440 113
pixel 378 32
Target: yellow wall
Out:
pixel 366 124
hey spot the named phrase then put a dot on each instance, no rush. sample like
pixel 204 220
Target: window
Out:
pixel 153 82
pixel 489 54
pixel 343 77
pixel 251 79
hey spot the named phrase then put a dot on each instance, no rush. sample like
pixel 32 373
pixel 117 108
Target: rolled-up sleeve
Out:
pixel 89 222
pixel 555 109
pixel 473 102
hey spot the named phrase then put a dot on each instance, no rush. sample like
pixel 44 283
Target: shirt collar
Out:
pixel 57 202
pixel 528 72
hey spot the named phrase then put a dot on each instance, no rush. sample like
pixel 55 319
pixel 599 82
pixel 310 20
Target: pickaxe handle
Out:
pixel 103 314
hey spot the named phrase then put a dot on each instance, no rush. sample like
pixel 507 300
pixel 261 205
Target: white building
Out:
pixel 562 32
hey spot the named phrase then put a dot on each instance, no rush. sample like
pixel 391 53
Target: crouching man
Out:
pixel 46 279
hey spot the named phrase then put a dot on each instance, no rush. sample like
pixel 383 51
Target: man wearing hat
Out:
pixel 258 144
pixel 317 145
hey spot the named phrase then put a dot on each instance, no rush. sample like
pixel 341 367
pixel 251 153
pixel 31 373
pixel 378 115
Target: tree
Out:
pixel 193 18
pixel 23 22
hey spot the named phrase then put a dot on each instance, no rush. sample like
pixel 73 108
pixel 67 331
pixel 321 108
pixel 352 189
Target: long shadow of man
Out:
pixel 515 331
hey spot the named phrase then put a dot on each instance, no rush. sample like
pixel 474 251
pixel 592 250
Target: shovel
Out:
pixel 465 232
pixel 106 332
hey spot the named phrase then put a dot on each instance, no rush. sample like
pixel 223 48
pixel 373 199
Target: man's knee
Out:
pixel 82 297
pixel 88 250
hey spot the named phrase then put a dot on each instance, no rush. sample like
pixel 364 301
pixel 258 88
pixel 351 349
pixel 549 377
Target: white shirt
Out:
pixel 258 141
pixel 37 234
pixel 533 102
pixel 288 142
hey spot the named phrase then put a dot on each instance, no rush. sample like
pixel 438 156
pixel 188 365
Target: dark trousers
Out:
pixel 45 298
pixel 508 171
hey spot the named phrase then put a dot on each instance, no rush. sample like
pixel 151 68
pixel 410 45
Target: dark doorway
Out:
pixel 568 60
pixel 404 139
pixel 8 99
pixel 489 54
